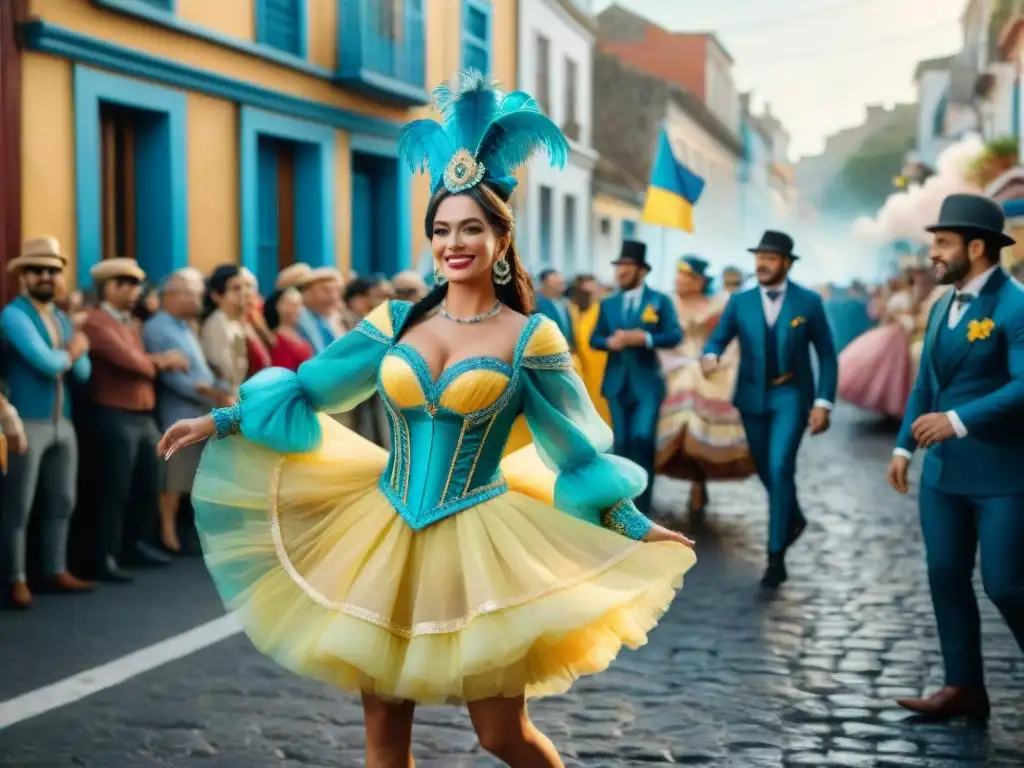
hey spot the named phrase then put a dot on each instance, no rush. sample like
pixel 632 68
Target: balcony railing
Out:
pixel 382 49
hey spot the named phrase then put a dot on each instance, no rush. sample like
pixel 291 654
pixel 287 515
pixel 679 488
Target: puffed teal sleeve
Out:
pixel 278 408
pixel 573 440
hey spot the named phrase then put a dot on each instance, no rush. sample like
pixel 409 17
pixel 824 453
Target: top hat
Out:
pixel 773 241
pixel 39 252
pixel 633 252
pixel 111 269
pixel 973 213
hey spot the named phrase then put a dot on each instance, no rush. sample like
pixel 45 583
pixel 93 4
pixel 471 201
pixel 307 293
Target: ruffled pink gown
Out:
pixel 874 369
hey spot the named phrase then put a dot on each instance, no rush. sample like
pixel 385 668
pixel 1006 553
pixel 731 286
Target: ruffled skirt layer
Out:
pixel 875 371
pixel 505 598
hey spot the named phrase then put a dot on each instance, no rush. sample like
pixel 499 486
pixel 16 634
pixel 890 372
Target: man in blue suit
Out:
pixel 551 303
pixel 777 323
pixel 631 325
pixel 966 412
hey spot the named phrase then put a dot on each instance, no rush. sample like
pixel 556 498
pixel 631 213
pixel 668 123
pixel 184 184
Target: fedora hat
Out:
pixel 973 213
pixel 633 252
pixel 296 275
pixel 773 241
pixel 39 252
pixel 111 269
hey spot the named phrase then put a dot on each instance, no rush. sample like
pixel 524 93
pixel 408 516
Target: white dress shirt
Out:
pixel 631 303
pixel 957 310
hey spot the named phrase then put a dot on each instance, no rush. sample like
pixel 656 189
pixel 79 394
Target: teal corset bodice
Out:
pixel 448 435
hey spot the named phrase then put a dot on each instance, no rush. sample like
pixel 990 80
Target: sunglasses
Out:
pixel 132 281
pixel 40 271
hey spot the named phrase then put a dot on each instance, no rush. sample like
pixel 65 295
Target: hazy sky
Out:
pixel 818 62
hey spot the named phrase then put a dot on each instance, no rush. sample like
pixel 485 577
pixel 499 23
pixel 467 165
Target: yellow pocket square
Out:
pixel 980 329
pixel 800 320
pixel 650 314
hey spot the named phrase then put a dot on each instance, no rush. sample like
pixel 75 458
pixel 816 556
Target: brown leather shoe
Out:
pixel 950 702
pixel 20 598
pixel 65 582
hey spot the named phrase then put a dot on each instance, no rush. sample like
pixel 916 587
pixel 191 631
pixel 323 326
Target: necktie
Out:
pixel 963 299
pixel 773 295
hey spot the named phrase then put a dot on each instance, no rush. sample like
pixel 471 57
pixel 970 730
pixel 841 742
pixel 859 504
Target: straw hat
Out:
pixel 325 273
pixel 293 276
pixel 110 269
pixel 39 252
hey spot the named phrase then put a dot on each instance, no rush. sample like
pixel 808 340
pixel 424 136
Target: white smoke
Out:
pixel 904 215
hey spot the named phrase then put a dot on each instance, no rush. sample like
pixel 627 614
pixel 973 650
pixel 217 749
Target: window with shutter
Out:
pixel 281 24
pixel 476 35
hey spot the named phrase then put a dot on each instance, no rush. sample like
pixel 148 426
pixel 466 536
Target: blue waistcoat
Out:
pixel 35 371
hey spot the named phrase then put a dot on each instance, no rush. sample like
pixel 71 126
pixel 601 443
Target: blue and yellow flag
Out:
pixel 673 192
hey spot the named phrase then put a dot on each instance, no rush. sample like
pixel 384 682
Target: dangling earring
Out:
pixel 502 272
pixel 439 278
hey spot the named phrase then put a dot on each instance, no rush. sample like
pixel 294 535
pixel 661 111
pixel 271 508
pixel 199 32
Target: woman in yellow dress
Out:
pixel 584 306
pixel 700 434
pixel 438 573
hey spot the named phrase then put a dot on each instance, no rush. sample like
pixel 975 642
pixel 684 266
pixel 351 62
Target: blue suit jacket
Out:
pixel 548 308
pixel 801 324
pixel 983 381
pixel 637 368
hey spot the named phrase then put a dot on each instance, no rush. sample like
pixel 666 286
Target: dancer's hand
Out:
pixel 660 533
pixel 185 433
pixel 898 466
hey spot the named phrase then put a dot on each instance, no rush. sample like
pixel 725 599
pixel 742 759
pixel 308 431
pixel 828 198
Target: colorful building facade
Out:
pixel 190 132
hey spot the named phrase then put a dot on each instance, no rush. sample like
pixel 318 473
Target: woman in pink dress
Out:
pixel 874 369
pixel 282 310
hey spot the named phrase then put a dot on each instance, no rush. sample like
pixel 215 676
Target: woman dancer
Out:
pixel 874 369
pixel 700 435
pixel 438 573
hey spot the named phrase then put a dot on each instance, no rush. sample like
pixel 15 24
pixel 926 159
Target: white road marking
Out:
pixel 77 687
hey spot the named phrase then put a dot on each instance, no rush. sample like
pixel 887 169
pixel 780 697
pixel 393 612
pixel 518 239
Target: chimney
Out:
pixel 745 103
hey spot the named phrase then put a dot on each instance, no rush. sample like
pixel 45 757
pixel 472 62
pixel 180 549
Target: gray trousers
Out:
pixel 51 466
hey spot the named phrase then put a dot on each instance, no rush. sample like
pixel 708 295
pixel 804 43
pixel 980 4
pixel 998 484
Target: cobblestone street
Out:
pixel 727 680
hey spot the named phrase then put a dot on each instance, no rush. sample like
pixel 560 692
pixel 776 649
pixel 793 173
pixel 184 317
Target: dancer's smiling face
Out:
pixel 465 241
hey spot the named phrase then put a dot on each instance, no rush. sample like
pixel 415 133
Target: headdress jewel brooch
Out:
pixel 484 135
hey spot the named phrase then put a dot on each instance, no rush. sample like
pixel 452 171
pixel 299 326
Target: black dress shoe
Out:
pixel 775 574
pixel 112 572
pixel 145 554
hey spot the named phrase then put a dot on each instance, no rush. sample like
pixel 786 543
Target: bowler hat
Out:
pixel 633 252
pixel 973 213
pixel 773 241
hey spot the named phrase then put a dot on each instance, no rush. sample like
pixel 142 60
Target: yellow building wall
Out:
pixel 123 30
pixel 48 152
pixel 214 203
pixel 444 59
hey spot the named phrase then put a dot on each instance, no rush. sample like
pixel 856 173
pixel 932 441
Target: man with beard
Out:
pixel 967 412
pixel 40 350
pixel 777 323
pixel 631 325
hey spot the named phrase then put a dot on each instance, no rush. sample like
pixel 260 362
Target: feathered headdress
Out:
pixel 484 135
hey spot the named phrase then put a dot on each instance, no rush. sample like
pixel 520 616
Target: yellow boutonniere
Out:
pixel 650 314
pixel 979 329
pixel 797 321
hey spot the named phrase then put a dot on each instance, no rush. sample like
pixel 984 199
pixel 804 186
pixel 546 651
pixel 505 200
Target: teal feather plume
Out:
pixel 424 145
pixel 514 137
pixel 471 110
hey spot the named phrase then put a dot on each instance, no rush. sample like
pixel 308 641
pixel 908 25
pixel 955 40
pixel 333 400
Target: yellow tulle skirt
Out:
pixel 505 598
